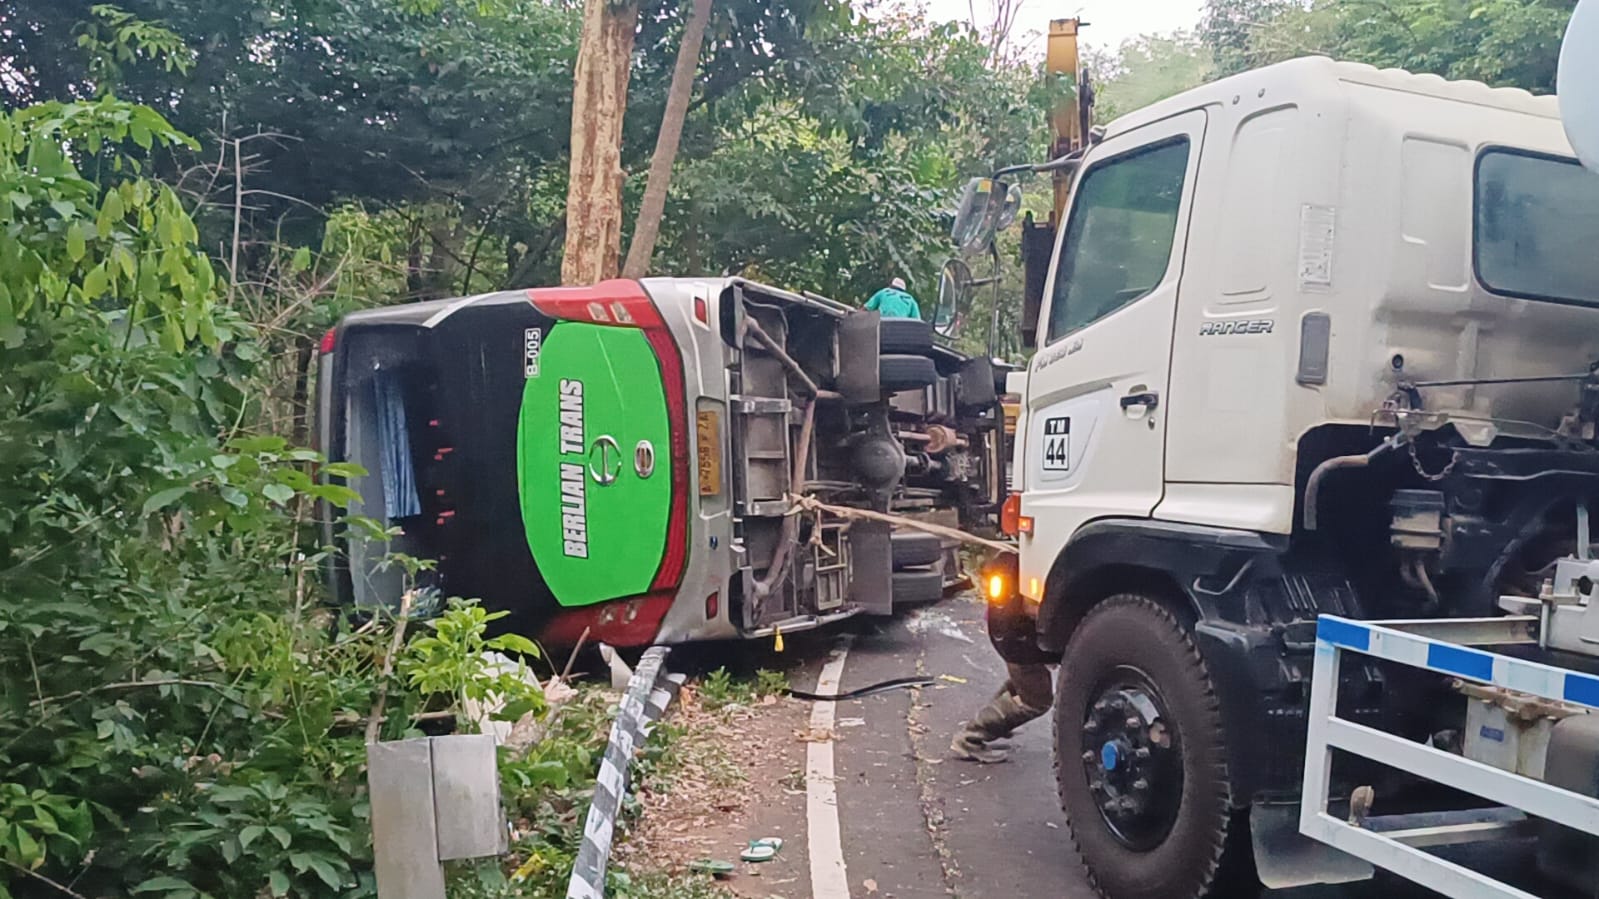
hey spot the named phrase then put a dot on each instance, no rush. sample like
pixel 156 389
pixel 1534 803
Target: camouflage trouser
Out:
pixel 1027 694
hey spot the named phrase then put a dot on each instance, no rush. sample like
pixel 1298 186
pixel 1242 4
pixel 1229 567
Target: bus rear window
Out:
pixel 1537 224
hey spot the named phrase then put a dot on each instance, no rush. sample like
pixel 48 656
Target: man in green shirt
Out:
pixel 894 302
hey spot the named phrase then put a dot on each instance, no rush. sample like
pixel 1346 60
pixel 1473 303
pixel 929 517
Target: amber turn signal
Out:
pixel 996 587
pixel 1011 520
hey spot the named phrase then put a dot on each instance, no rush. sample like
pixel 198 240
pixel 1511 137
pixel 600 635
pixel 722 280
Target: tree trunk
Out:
pixel 599 103
pixel 648 226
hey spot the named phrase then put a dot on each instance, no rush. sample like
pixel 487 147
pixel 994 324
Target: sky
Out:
pixel 1109 21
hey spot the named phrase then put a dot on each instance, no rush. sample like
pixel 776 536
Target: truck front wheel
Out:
pixel 1140 760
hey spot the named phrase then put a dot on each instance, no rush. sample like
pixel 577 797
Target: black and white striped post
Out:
pixel 649 691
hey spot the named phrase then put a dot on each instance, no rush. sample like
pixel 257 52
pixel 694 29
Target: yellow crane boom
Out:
pixel 1069 122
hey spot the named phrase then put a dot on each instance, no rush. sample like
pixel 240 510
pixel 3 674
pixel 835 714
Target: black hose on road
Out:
pixel 880 687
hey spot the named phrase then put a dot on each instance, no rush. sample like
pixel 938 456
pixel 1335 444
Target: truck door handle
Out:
pixel 1148 399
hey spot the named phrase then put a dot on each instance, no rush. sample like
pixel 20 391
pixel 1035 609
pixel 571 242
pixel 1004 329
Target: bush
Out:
pixel 180 716
pixel 177 716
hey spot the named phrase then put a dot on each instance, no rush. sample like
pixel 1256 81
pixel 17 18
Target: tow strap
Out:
pixel 812 504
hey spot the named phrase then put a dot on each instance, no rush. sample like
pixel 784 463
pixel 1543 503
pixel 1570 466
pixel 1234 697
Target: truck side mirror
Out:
pixel 987 206
pixel 975 216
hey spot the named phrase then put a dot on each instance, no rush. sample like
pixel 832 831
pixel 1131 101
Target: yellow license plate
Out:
pixel 709 451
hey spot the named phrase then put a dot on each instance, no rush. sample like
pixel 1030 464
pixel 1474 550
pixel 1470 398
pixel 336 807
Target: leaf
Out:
pixel 278 493
pixel 258 444
pixel 333 493
pixel 280 834
pixel 96 282
pixel 279 883
pixel 113 208
pixel 343 470
pixel 27 847
pixel 161 884
pixel 77 243
pixel 231 794
pixel 235 497
pixel 163 498
pixel 326 872
pixel 249 834
pixel 515 643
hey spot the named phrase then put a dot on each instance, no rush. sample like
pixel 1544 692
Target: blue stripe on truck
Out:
pixel 1582 688
pixel 1469 663
pixel 1339 632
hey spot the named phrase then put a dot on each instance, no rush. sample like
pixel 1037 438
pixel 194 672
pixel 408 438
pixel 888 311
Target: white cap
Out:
pixel 897 284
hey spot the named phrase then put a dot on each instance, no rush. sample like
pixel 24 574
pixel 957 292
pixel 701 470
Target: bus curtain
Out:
pixel 400 498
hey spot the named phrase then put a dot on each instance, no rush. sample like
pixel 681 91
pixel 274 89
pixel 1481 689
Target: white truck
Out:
pixel 1315 340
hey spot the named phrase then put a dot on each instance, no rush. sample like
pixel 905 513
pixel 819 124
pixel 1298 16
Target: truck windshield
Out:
pixel 1537 223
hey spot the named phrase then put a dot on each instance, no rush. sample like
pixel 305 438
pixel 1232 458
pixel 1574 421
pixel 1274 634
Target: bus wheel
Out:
pixel 1140 761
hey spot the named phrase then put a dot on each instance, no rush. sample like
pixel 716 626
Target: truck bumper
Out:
pixel 1012 619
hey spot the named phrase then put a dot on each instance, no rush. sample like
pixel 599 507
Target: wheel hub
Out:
pixel 1135 776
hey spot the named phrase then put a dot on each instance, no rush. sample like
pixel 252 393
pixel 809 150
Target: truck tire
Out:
pixel 912 548
pixel 904 335
pixel 918 585
pixel 900 372
pixel 1148 807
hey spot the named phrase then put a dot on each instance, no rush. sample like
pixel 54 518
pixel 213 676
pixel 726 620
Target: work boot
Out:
pixel 969 745
pixel 978 741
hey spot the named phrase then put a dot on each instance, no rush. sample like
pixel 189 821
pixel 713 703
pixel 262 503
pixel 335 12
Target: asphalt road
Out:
pixel 917 822
pixel 913 821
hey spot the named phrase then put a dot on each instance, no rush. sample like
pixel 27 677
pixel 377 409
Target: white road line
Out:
pixel 828 879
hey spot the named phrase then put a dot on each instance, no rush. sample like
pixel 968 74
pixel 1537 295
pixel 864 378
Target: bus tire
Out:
pixel 901 372
pixel 915 586
pixel 912 548
pixel 904 335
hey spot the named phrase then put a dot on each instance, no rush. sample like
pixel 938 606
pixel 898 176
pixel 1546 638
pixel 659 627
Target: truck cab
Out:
pixel 1316 338
pixel 626 460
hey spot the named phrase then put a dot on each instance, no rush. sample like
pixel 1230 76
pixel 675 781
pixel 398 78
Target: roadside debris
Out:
pixel 921 621
pixel 620 673
pixel 762 850
pixel 516 734
pixel 712 866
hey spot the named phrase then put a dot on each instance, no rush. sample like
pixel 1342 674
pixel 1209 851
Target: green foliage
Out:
pixel 844 178
pixel 65 241
pixel 115 38
pixel 1513 43
pixel 451 661
pixel 721 689
pixel 180 718
pixel 770 683
pixel 1147 69
pixel 718 690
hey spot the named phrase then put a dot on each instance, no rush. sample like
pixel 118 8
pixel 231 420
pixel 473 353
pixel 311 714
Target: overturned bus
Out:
pixel 628 459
